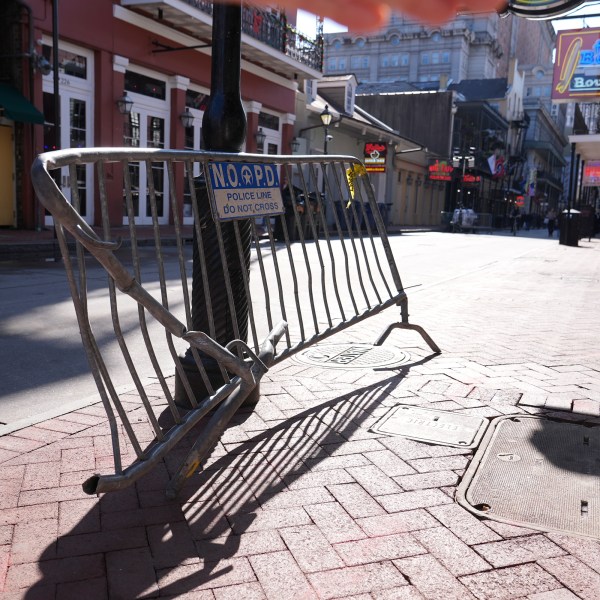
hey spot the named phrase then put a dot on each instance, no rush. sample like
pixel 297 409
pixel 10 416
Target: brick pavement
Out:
pixel 299 499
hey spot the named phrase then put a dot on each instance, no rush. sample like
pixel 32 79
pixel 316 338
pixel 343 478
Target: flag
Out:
pixel 492 163
pixel 355 170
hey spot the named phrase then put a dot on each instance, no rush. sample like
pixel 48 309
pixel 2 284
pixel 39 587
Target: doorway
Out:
pixel 7 177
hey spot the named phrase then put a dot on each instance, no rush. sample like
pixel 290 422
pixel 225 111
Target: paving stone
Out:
pixel 34 541
pixel 424 481
pixel 334 522
pixel 130 574
pixel 79 516
pixel 14 443
pixel 190 580
pixel 269 519
pixel 355 500
pixel 54 571
pixel 280 576
pixel 586 550
pixel 27 514
pixel 295 481
pixel 561 594
pixel 518 550
pixel 58 494
pixel 356 580
pixel 574 575
pixel 374 481
pixel 248 544
pixel 379 549
pixel 431 578
pixel 453 553
pixel 511 582
pixel 413 500
pixel 9 494
pixel 311 549
pixel 102 541
pixel 171 544
pixel 407 592
pixel 391 464
pixel 296 498
pixel 245 591
pixel 90 589
pixel 445 463
pixel 509 531
pixel 403 522
pixel 463 524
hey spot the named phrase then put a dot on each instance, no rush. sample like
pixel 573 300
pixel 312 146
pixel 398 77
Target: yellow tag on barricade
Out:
pixel 355 170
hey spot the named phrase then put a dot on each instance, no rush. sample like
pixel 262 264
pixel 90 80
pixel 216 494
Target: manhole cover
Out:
pixel 432 426
pixel 353 356
pixel 537 472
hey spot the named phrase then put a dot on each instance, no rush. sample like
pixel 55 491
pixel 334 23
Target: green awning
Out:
pixel 17 107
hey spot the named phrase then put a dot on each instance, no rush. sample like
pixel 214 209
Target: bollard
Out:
pixel 223 130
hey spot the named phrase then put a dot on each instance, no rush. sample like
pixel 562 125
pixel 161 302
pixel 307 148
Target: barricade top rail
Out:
pixel 285 252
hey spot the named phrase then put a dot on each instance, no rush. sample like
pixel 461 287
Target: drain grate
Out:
pixel 537 472
pixel 432 426
pixel 353 356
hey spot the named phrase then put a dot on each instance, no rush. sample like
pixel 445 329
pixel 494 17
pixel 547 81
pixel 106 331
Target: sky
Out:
pixel 306 21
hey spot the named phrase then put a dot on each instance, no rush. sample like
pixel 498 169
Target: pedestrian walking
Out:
pixel 550 221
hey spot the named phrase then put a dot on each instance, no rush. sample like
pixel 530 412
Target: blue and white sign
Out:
pixel 245 190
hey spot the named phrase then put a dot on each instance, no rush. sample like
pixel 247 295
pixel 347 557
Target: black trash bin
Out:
pixel 569 227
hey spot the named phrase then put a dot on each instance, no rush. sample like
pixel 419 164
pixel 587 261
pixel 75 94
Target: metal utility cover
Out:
pixel 432 426
pixel 537 472
pixel 353 356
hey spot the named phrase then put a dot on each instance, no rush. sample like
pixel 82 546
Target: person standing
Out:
pixel 551 222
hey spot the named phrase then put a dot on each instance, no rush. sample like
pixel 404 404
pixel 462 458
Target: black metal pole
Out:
pixel 223 130
pixel 565 221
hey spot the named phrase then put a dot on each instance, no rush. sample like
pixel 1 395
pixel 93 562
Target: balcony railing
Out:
pixel 274 31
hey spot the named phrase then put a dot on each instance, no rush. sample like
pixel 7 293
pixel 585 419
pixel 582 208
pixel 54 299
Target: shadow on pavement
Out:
pixel 149 543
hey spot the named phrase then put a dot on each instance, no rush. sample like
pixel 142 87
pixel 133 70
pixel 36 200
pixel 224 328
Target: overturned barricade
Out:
pixel 286 251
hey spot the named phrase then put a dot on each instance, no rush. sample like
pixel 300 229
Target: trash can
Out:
pixel 569 227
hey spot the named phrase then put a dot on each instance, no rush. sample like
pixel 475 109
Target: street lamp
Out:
pixel 125 104
pixel 326 117
pixel 186 118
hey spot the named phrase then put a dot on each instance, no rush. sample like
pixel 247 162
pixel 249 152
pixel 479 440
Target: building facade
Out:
pixel 127 72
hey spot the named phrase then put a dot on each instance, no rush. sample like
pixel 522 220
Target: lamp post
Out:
pixel 326 117
pixel 223 130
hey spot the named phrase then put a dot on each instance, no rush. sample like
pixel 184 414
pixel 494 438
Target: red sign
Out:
pixel 591 173
pixel 471 178
pixel 375 156
pixel 576 66
pixel 440 170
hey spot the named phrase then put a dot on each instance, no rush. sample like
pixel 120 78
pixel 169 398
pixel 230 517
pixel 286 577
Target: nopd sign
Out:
pixel 244 190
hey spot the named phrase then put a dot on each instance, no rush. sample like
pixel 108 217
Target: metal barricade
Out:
pixel 321 264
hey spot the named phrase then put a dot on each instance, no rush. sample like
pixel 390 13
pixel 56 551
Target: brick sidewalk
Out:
pixel 299 499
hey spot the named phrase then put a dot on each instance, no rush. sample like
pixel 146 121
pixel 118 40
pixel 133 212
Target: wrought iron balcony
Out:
pixel 271 42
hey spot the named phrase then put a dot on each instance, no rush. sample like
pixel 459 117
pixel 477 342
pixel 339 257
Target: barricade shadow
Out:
pixel 197 538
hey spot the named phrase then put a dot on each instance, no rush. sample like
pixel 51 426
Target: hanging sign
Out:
pixel 541 9
pixel 244 190
pixel 577 66
pixel 439 170
pixel 591 173
pixel 468 178
pixel 375 157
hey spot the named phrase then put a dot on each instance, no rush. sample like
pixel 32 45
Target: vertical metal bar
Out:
pixel 115 313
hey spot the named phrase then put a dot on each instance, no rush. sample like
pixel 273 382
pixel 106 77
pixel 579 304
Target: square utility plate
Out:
pixel 432 426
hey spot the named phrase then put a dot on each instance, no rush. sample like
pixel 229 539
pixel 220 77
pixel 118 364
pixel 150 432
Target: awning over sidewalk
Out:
pixel 588 146
pixel 17 107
